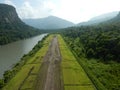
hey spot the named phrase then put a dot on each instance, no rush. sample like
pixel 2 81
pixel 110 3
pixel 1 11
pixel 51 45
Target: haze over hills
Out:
pixel 50 22
pixel 99 19
pixel 111 23
pixel 53 22
pixel 11 27
pixel 115 20
pixel 100 51
pixel 95 63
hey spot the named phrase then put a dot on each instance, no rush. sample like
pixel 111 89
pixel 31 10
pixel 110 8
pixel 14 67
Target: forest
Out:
pixel 79 57
pixel 16 33
pixel 97 41
pixel 97 49
pixel 11 26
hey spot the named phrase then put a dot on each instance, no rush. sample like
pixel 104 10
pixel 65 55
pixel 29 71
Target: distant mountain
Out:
pixel 11 27
pixel 99 19
pixel 115 20
pixel 50 22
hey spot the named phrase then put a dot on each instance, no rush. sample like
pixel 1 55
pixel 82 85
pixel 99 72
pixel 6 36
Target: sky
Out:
pixel 72 10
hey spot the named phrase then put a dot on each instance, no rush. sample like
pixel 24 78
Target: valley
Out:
pixel 30 68
pixel 54 53
pixel 51 69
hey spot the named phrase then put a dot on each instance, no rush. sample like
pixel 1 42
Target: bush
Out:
pixel 1 83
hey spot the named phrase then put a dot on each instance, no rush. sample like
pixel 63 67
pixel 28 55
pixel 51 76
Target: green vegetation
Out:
pixel 97 49
pixel 97 42
pixel 105 76
pixel 94 57
pixel 10 35
pixel 29 66
pixel 73 75
pixel 12 28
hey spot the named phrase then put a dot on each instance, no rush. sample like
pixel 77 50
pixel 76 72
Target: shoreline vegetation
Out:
pixel 6 40
pixel 78 71
pixel 10 74
pixel 24 74
pixel 12 28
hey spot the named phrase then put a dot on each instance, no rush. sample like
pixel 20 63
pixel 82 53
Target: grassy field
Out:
pixel 25 78
pixel 74 77
pixel 105 75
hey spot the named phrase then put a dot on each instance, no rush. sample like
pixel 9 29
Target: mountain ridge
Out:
pixel 11 26
pixel 50 22
pixel 99 19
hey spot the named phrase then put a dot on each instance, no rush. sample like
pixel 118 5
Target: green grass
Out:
pixel 105 75
pixel 78 87
pixel 74 76
pixel 35 62
pixel 16 81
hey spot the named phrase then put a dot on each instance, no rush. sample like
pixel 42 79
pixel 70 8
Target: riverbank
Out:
pixel 11 53
pixel 50 66
pixel 30 63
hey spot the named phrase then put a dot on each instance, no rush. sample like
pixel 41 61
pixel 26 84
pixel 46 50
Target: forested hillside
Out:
pixel 11 27
pixel 99 41
pixel 98 51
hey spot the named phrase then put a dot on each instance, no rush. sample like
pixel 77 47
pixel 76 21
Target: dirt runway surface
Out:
pixel 50 77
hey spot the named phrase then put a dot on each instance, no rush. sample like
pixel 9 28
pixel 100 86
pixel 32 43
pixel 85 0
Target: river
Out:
pixel 11 53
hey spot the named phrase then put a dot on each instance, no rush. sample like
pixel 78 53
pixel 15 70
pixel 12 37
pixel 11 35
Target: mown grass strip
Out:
pixel 73 74
pixel 84 64
pixel 35 62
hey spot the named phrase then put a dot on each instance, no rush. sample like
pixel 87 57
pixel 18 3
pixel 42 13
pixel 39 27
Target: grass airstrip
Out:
pixel 74 77
pixel 26 77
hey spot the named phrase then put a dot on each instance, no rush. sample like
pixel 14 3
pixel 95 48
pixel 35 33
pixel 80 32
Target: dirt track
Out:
pixel 49 77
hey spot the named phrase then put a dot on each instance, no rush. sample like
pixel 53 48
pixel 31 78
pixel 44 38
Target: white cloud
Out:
pixel 26 10
pixel 82 10
pixel 42 10
pixel 9 2
pixel 72 10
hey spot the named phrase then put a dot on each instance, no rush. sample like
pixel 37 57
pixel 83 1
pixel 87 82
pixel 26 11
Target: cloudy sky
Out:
pixel 72 10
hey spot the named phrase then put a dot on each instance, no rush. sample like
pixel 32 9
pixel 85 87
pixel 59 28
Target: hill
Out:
pixel 11 27
pixel 99 19
pixel 97 48
pixel 50 22
pixel 115 20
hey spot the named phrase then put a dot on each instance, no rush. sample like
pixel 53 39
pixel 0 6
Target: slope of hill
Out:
pixel 98 50
pixel 99 19
pixel 50 22
pixel 115 20
pixel 11 27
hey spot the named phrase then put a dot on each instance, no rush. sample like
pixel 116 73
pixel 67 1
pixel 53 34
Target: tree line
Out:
pixel 102 42
pixel 97 49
